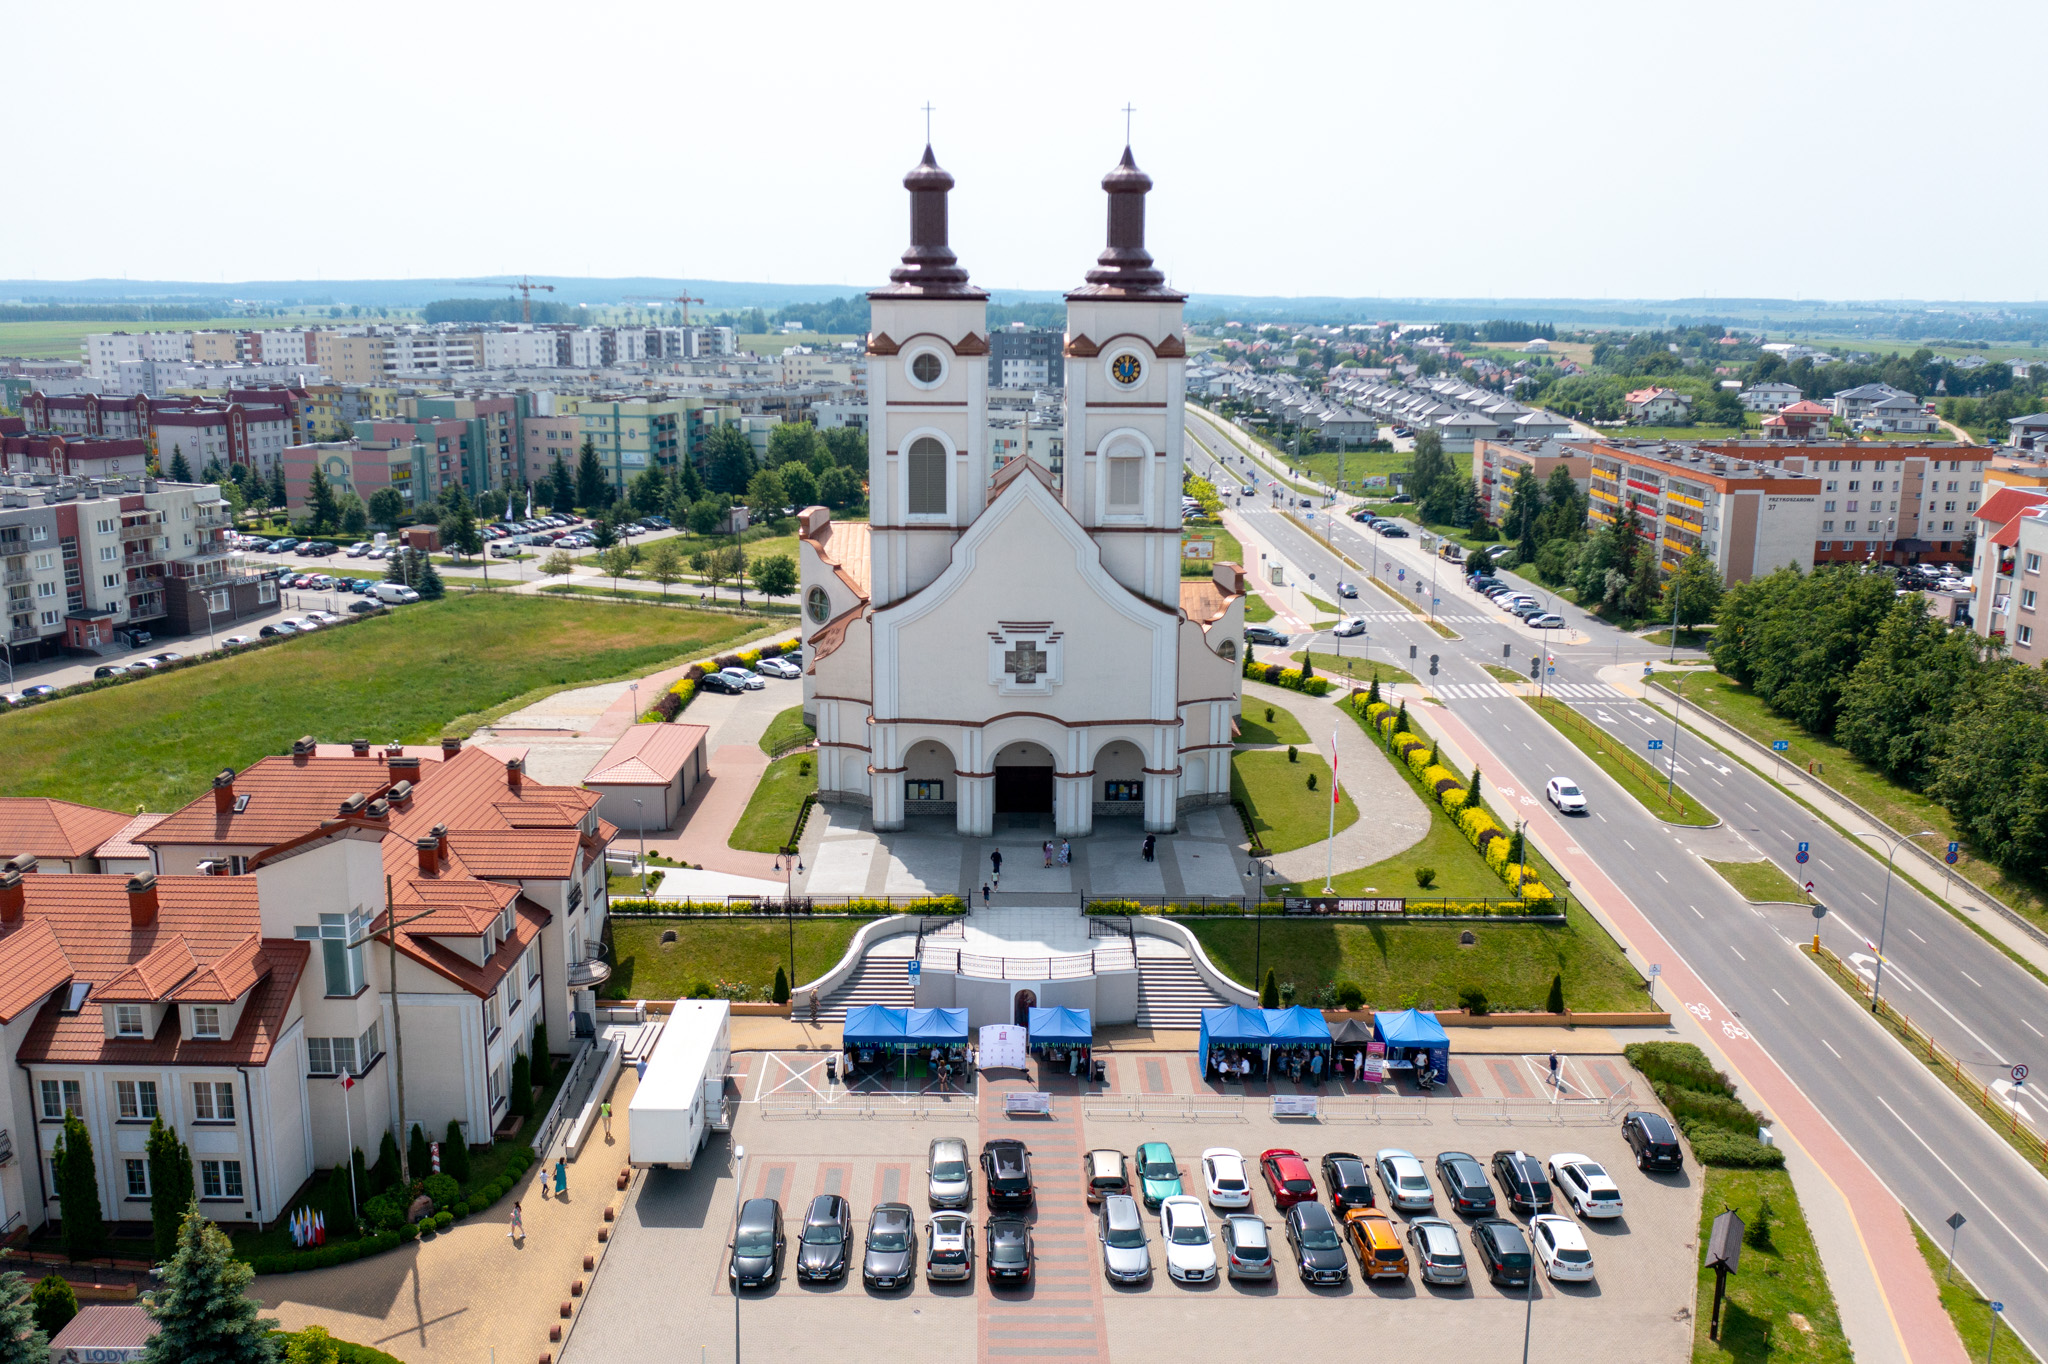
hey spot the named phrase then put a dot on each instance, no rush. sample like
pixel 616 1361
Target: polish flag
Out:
pixel 348 1082
pixel 1333 769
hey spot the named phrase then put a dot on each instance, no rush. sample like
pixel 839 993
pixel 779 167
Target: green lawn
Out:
pixel 786 731
pixel 1967 1308
pixel 771 811
pixel 1257 611
pixel 1284 812
pixel 1420 964
pixel 409 675
pixel 774 343
pixel 1632 776
pixel 1500 674
pixel 1701 432
pixel 1358 669
pixel 60 340
pixel 618 886
pixel 1779 1308
pixel 1358 464
pixel 1228 550
pixel 741 952
pixel 1687 638
pixel 1761 883
pixel 1268 724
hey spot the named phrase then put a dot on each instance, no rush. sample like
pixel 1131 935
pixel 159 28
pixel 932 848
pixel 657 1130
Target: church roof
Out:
pixel 846 547
pixel 1125 269
pixel 1203 600
pixel 929 269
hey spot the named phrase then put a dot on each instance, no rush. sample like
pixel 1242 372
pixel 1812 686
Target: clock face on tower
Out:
pixel 1126 370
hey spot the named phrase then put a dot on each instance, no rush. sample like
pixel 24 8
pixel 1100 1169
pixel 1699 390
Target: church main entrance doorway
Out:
pixel 1026 1001
pixel 1024 780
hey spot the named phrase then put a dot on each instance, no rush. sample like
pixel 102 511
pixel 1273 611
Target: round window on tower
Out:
pixel 1126 369
pixel 926 368
pixel 819 603
pixel 1227 650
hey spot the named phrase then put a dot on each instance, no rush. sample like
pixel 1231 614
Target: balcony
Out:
pixel 589 973
pixel 17 575
pixel 21 634
pixel 143 530
pixel 142 556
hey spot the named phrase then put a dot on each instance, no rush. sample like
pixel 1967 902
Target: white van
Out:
pixel 394 593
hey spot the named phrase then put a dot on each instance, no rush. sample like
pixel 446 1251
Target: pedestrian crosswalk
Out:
pixel 1578 691
pixel 1584 691
pixel 1470 691
pixel 1406 617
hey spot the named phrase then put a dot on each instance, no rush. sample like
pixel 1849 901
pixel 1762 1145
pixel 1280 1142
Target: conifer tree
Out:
pixel 180 472
pixel 78 1190
pixel 170 1186
pixel 22 1340
pixel 203 1312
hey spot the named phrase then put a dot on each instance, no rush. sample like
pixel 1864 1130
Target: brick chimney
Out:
pixel 440 832
pixel 354 804
pixel 224 791
pixel 359 747
pixel 394 749
pixel 13 898
pixel 303 748
pixel 430 854
pixel 450 745
pixel 515 769
pixel 142 900
pixel 401 794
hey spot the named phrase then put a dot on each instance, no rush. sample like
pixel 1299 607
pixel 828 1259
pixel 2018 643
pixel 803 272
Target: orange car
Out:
pixel 1380 1252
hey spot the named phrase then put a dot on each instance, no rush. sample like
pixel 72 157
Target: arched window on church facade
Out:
pixel 925 467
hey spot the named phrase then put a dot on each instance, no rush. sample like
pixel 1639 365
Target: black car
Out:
pixel 1521 1179
pixel 757 1244
pixel 1009 1252
pixel 1464 1181
pixel 889 1260
pixel 1318 1249
pixel 365 607
pixel 1503 1250
pixel 822 1251
pixel 1649 1135
pixel 1350 1184
pixel 719 682
pixel 1006 1168
pixel 1263 634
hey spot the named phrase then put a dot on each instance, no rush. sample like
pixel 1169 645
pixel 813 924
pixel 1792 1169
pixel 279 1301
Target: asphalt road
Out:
pixel 1936 1155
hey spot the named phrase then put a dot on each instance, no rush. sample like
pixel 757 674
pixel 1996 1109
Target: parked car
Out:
pixel 1126 1251
pixel 284 546
pixel 359 549
pixel 1287 1178
pixel 949 1248
pixel 889 1254
pixel 1318 1248
pixel 1393 532
pixel 1349 1183
pixel 1545 620
pixel 1585 1184
pixel 1223 1173
pixel 757 1244
pixel 109 670
pixel 1263 634
pixel 1651 1137
pixel 1349 628
pixel 1190 1251
pixel 1407 1185
pixel 1107 1173
pixel 1009 1252
pixel 1376 1243
pixel 1464 1183
pixel 1006 1170
pixel 1561 1248
pixel 1438 1256
pixel 365 607
pixel 778 667
pixel 822 1248
pixel 1158 1173
pixel 1503 1251
pixel 1247 1249
pixel 1521 1179
pixel 949 1179
pixel 236 641
pixel 280 628
pixel 1565 794
pixel 720 683
pixel 746 677
pixel 167 656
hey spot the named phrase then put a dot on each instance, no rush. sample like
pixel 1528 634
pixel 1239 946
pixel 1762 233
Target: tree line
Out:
pixel 1933 707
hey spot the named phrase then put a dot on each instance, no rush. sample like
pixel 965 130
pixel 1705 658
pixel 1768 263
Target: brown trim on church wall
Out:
pixel 1197 748
pixel 858 748
pixel 875 771
pixel 1081 348
pixel 881 344
pixel 1190 701
pixel 1015 715
pixel 1074 776
pixel 971 344
pixel 925 402
pixel 1160 771
pixel 1172 348
pixel 1150 406
pixel 851 700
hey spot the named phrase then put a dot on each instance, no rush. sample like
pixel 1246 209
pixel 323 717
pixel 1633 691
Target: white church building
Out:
pixel 1001 642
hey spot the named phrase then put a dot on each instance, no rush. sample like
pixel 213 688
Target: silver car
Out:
pixel 1438 1256
pixel 949 1248
pixel 949 1173
pixel 1247 1251
pixel 1126 1255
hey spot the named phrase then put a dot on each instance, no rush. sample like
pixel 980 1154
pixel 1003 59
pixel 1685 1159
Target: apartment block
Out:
pixel 1899 501
pixel 632 434
pixel 1497 464
pixel 1027 359
pixel 2011 584
pixel 1750 518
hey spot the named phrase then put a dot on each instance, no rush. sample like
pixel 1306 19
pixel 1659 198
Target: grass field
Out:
pixel 1285 813
pixel 1761 883
pixel 786 731
pixel 1358 465
pixel 409 675
pixel 1687 638
pixel 1701 432
pixel 1254 728
pixel 1604 753
pixel 1359 670
pixel 1257 609
pixel 2012 350
pixel 1228 550
pixel 774 343
pixel 743 952
pixel 62 340
pixel 771 811
pixel 1780 1309
pixel 1500 674
pixel 1969 1309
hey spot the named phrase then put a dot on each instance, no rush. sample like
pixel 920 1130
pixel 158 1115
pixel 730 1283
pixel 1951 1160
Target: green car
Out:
pixel 1158 1172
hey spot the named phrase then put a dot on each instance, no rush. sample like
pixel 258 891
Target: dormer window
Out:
pixel 205 1020
pixel 127 1020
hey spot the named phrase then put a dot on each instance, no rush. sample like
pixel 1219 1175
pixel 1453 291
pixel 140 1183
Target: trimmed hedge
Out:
pixel 386 1212
pixel 677 909
pixel 1721 1128
pixel 677 698
pixel 1274 675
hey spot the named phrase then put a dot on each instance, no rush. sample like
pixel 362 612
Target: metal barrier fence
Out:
pixel 1388 1109
pixel 1076 967
pixel 559 1110
pixel 871 1107
pixel 1649 776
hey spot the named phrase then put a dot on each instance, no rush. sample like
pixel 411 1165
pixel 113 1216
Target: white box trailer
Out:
pixel 682 1094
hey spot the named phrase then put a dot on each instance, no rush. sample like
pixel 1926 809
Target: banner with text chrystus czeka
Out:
pixel 1346 904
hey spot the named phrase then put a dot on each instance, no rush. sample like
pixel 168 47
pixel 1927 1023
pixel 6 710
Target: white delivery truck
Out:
pixel 682 1094
pixel 394 594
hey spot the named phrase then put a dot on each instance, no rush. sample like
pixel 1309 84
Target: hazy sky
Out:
pixel 1591 148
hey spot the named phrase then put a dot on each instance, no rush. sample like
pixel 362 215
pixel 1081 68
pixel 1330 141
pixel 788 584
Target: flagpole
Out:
pixel 348 1082
pixel 1330 842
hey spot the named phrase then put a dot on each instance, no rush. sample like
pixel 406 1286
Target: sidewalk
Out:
pixel 456 1298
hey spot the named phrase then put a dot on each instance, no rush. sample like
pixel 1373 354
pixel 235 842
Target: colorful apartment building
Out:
pixel 1749 518
pixel 1497 464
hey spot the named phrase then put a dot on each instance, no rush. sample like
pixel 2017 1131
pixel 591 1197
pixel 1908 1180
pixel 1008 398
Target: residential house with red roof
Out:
pixel 2012 542
pixel 57 835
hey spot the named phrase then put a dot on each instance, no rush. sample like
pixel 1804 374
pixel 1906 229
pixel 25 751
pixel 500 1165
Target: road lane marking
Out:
pixel 1736 950
pixel 1781 999
pixel 1824 862
pixel 1866 895
pixel 1972 979
pixel 1662 877
pixel 1960 1180
pixel 1916 935
pixel 1696 910
pixel 2034 1030
pixel 1631 847
pixel 1831 1047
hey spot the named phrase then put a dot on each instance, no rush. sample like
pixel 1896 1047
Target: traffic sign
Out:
pixel 1780 745
pixel 1953 849
pixel 1820 911
pixel 1956 1220
pixel 1809 887
pixel 1401 575
pixel 914 967
pixel 1802 847
pixel 1655 970
pixel 1800 856
pixel 2019 1074
pixel 1656 744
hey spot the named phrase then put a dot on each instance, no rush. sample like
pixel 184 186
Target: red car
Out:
pixel 1287 1177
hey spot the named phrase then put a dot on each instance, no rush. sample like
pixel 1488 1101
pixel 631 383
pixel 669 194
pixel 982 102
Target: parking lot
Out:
pixel 661 1291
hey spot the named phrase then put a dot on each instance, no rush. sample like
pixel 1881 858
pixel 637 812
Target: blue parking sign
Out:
pixel 1953 850
pixel 1802 847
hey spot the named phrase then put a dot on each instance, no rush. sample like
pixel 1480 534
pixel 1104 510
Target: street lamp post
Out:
pixel 640 818
pixel 1262 869
pixel 1885 914
pixel 739 1184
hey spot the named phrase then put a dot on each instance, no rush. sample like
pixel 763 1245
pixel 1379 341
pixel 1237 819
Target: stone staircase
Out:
pixel 877 980
pixel 1171 993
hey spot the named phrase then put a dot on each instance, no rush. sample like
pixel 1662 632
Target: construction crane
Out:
pixel 525 287
pixel 683 299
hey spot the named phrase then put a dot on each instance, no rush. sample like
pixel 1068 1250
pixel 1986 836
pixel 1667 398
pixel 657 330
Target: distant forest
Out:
pixel 497 310
pixel 107 312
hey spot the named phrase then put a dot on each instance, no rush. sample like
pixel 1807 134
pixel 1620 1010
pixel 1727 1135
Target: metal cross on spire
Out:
pixel 1128 111
pixel 927 122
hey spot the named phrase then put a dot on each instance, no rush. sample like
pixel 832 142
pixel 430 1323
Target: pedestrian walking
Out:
pixel 518 1231
pixel 1149 844
pixel 984 895
pixel 995 861
pixel 1066 852
pixel 561 1177
pixel 1048 852
pixel 605 1111
pixel 1555 1062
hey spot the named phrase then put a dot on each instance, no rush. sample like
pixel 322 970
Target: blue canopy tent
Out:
pixel 1232 1026
pixel 874 1025
pixel 1412 1030
pixel 947 1027
pixel 1060 1025
pixel 1298 1024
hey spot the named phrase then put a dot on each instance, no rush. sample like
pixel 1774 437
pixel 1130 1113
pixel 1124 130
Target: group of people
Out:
pixel 1298 1062
pixel 947 1062
pixel 1063 854
pixel 1074 1056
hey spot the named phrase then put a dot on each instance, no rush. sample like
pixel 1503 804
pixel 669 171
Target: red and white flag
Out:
pixel 1333 769
pixel 348 1082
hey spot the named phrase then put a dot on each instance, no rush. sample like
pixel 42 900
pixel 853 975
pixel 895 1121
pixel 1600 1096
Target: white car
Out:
pixel 1348 627
pixel 746 677
pixel 1223 1171
pixel 1560 1247
pixel 1565 794
pixel 236 641
pixel 1190 1252
pixel 1585 1185
pixel 359 549
pixel 1407 1183
pixel 309 622
pixel 779 667
pixel 949 1248
pixel 1546 620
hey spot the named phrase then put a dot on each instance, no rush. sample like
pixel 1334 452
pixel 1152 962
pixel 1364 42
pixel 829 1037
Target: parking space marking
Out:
pixel 1155 1076
pixel 1504 1074
pixel 835 1178
pixel 775 1179
pixel 892 1183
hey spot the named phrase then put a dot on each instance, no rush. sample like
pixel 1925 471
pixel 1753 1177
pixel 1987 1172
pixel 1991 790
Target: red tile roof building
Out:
pixel 60 835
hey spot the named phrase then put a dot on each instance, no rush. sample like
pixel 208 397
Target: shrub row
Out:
pixel 1721 1128
pixel 1467 810
pixel 385 1216
pixel 680 909
pixel 677 698
pixel 345 1351
pixel 1277 908
pixel 1272 674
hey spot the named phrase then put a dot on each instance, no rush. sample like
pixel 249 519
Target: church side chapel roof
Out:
pixel 845 546
pixel 1203 600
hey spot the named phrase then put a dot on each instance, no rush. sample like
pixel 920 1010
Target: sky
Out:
pixel 1862 149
